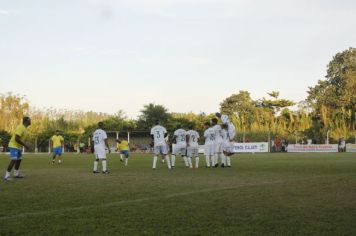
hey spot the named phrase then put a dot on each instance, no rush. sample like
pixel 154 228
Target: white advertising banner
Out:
pixel 250 147
pixel 312 148
pixel 350 147
pixel 245 147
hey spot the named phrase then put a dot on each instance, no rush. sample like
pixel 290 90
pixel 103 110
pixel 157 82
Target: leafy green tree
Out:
pixel 150 113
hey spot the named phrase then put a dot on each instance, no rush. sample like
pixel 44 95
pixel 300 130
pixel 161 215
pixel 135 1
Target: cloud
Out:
pixel 4 12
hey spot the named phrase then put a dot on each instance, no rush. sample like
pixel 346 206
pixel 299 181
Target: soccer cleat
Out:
pixel 222 165
pixel 96 172
pixel 228 166
pixel 121 160
pixel 7 179
pixel 216 165
pixel 173 167
pixel 106 172
pixel 18 176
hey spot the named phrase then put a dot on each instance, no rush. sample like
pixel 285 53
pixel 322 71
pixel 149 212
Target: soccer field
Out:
pixel 262 194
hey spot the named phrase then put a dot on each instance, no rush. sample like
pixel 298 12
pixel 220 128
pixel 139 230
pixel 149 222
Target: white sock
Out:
pixel 185 161
pixel 190 162
pixel 7 174
pixel 103 162
pixel 95 166
pixel 126 161
pixel 173 159
pixel 154 162
pixel 196 162
pixel 121 157
pixel 168 162
pixel 207 161
pixel 16 172
pixel 223 159
pixel 212 158
pixel 228 161
pixel 216 158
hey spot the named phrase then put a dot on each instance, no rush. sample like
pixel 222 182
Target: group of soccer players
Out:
pixel 218 144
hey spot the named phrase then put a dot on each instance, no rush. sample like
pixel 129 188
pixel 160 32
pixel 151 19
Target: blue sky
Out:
pixel 106 55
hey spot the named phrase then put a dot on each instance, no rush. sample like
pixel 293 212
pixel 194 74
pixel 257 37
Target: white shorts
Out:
pixel 163 150
pixel 232 131
pixel 100 153
pixel 209 149
pixel 218 147
pixel 192 151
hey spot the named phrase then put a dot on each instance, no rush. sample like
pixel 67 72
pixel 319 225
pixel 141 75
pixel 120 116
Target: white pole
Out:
pixel 49 146
pixel 117 135
pixel 89 142
pixel 327 137
pixel 128 137
pixel 36 148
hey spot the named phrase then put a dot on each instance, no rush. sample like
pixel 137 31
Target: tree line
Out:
pixel 330 107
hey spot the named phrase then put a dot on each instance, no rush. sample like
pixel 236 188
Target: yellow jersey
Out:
pixel 20 131
pixel 123 146
pixel 57 140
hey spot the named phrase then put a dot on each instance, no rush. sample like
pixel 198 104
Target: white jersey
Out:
pixel 225 135
pixel 218 134
pixel 209 135
pixel 158 133
pixel 225 119
pixel 193 138
pixel 181 135
pixel 99 137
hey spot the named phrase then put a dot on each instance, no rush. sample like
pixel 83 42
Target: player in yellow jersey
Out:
pixel 57 145
pixel 123 148
pixel 16 144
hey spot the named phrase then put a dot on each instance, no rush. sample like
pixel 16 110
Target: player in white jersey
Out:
pixel 192 147
pixel 209 146
pixel 226 120
pixel 231 133
pixel 218 142
pixel 159 134
pixel 99 142
pixel 180 145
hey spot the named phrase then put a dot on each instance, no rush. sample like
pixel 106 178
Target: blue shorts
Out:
pixel 15 154
pixel 125 152
pixel 57 151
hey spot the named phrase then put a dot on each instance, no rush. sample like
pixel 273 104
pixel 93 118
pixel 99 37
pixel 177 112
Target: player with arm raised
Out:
pixel 158 134
pixel 16 143
pixel 231 132
pixel 192 146
pixel 100 140
pixel 209 146
pixel 180 147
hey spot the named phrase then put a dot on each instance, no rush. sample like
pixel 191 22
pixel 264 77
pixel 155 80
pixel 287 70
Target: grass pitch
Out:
pixel 262 194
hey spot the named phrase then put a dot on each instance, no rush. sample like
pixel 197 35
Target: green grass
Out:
pixel 263 194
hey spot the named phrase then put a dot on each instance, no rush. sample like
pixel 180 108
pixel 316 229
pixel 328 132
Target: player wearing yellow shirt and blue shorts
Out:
pixel 123 147
pixel 57 144
pixel 16 144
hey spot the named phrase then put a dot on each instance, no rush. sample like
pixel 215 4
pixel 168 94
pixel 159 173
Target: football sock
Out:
pixel 126 161
pixel 212 160
pixel 207 161
pixel 154 162
pixel 95 165
pixel 7 174
pixel 190 162
pixel 16 172
pixel 103 162
pixel 173 158
pixel 121 157
pixel 196 162
pixel 185 161
pixel 223 159
pixel 228 161
pixel 168 162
